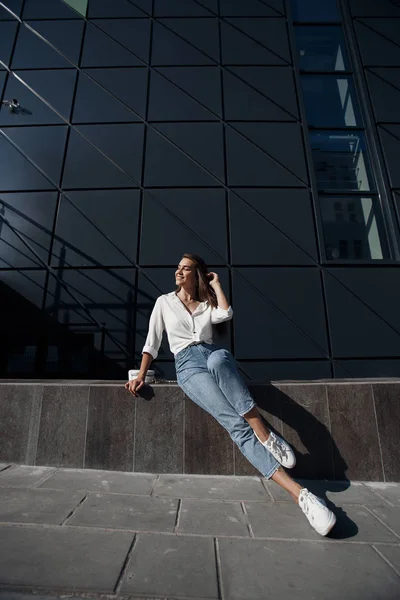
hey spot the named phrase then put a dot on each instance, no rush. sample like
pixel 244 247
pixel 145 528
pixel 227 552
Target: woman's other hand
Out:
pixel 213 278
pixel 135 385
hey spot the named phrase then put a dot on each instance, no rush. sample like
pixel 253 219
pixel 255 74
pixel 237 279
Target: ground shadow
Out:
pixel 320 467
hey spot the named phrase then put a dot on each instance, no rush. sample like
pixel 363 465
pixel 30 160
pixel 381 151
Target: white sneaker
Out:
pixel 279 450
pixel 316 511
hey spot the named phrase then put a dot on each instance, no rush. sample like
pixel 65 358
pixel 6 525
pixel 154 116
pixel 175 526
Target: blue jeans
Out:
pixel 210 378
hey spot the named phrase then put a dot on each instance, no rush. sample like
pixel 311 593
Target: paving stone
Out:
pixel 337 492
pixel 223 488
pixel 22 476
pixel 279 519
pixel 256 570
pixel 212 517
pixel 284 520
pixel 172 566
pixel 101 481
pixel 357 524
pixel 62 557
pixel 37 506
pixel 392 553
pixel 389 491
pixel 8 595
pixel 127 512
pixel 390 515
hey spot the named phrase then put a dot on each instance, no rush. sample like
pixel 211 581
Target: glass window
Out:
pixel 321 48
pixel 359 232
pixel 330 101
pixel 315 11
pixel 341 160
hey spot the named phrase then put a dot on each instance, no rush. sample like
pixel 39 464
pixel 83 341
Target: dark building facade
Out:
pixel 263 135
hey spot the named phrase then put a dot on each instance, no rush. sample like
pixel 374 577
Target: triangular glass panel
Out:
pixel 44 146
pixel 168 103
pixel 281 141
pixel 93 104
pixel 122 144
pixel 270 33
pixel 14 6
pixel 203 83
pixel 79 5
pixel 65 36
pixel 128 84
pixel 32 110
pixel 102 51
pixel 180 8
pixel 239 49
pixel 200 33
pixel 50 9
pixel 31 216
pixel 168 166
pixel 258 169
pixel 202 142
pixel 7 34
pixel 274 83
pixel 110 8
pixel 250 8
pixel 86 167
pixel 17 173
pixel 31 52
pixel 55 86
pixel 132 34
pixel 170 49
pixel 243 103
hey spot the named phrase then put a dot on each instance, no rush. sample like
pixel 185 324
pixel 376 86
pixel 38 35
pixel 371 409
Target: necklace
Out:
pixel 186 302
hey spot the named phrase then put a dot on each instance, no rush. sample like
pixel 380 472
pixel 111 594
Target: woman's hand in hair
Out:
pixel 213 279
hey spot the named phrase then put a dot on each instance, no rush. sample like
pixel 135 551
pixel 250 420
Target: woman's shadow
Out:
pixel 320 466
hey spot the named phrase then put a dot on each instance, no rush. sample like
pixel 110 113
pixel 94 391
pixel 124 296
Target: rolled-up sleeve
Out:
pixel 218 315
pixel 156 330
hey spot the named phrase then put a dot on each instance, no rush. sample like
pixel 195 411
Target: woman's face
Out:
pixel 185 273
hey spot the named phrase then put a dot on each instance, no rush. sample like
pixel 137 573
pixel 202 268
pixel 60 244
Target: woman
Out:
pixel 209 377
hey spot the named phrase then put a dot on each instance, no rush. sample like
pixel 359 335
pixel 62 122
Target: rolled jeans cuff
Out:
pixel 251 406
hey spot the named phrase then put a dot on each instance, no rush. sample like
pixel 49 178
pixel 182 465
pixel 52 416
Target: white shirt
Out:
pixel 169 313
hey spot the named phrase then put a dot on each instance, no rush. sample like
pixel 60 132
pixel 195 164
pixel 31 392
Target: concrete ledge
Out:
pixel 340 429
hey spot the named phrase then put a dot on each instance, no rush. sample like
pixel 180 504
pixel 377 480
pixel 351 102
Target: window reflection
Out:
pixel 341 161
pixel 315 10
pixel 321 49
pixel 330 101
pixel 353 228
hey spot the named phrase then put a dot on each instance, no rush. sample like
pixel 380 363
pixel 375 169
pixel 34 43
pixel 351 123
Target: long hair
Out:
pixel 203 290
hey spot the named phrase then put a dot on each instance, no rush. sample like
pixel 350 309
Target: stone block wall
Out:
pixel 340 430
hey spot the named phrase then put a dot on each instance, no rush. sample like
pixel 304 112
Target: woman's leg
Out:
pixel 255 421
pixel 287 483
pixel 204 391
pixel 222 367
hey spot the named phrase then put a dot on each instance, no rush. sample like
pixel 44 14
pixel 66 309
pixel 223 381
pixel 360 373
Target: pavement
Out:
pixel 83 534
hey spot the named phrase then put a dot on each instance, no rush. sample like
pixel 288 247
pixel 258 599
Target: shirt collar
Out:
pixel 202 305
